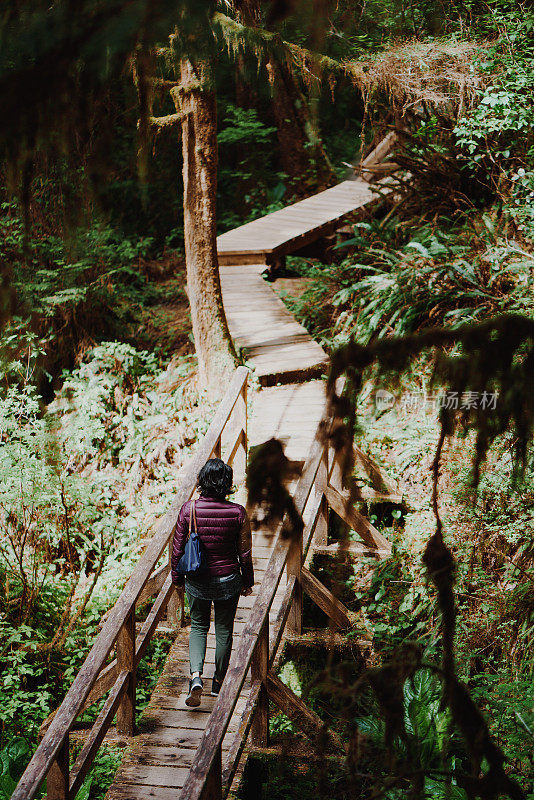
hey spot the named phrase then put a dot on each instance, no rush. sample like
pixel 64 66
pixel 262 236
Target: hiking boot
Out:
pixel 195 692
pixel 215 687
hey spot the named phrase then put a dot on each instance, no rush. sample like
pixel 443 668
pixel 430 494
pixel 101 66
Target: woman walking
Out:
pixel 224 532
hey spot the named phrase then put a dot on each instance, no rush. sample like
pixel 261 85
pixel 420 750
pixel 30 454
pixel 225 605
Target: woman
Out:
pixel 224 531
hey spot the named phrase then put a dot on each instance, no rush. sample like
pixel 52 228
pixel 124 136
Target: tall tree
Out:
pixel 302 154
pixel 195 102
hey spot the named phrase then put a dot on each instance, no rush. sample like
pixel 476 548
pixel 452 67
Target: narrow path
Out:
pixel 281 351
pixel 157 760
pixel 294 226
pixel 272 342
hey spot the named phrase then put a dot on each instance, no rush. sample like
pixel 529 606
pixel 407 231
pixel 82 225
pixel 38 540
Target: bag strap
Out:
pixel 192 518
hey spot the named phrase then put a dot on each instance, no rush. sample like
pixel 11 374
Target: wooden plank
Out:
pixel 178 719
pixel 356 521
pixel 142 792
pixel 154 775
pixel 165 756
pixel 324 598
pixel 350 548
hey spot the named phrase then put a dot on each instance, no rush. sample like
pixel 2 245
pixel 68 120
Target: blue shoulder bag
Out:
pixel 193 561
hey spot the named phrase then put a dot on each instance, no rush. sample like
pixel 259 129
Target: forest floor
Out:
pixel 166 324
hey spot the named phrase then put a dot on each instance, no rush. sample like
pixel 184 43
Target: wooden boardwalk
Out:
pixel 174 746
pixel 272 342
pixel 280 351
pixel 157 761
pixel 294 226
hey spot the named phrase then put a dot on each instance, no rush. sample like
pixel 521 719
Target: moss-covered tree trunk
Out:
pixel 195 101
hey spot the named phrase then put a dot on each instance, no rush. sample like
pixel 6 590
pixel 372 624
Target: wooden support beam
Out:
pixel 153 585
pixel 376 156
pixel 297 711
pixel 213 785
pixel 57 781
pixel 239 740
pixel 175 608
pixel 295 751
pixel 231 456
pixel 126 662
pixel 372 496
pixel 217 449
pixel 380 481
pixel 328 639
pixel 294 567
pixel 239 458
pixel 324 598
pixel 321 529
pixel 259 667
pixel 356 521
pixel 341 549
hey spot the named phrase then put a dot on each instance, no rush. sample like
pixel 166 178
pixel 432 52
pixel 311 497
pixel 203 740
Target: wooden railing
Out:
pixel 320 486
pixel 228 430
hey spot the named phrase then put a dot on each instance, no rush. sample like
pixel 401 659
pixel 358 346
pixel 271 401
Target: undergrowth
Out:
pixel 398 279
pixel 83 481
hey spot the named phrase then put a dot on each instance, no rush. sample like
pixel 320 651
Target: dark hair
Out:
pixel 215 478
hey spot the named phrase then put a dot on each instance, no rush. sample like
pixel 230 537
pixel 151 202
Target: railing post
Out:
pixel 126 661
pixel 320 535
pixel 57 780
pixel 213 785
pixel 259 666
pixel 241 415
pixel 174 606
pixel 294 567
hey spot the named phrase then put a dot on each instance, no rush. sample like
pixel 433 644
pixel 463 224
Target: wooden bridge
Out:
pixel 173 751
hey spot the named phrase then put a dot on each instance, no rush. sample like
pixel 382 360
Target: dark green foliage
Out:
pixel 247 169
pixel 13 759
pixel 57 62
pixel 398 279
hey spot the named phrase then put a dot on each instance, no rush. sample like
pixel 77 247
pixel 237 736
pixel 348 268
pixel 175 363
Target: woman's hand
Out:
pixel 246 591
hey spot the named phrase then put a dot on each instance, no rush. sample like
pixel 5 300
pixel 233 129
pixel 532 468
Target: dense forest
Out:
pixel 132 134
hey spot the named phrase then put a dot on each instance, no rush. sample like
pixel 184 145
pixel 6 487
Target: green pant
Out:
pixel 224 629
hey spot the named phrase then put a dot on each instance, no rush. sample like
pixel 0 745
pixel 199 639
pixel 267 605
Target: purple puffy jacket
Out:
pixel 224 530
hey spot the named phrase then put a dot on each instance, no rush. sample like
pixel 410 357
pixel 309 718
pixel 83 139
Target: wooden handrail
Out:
pixel 206 762
pixel 55 740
